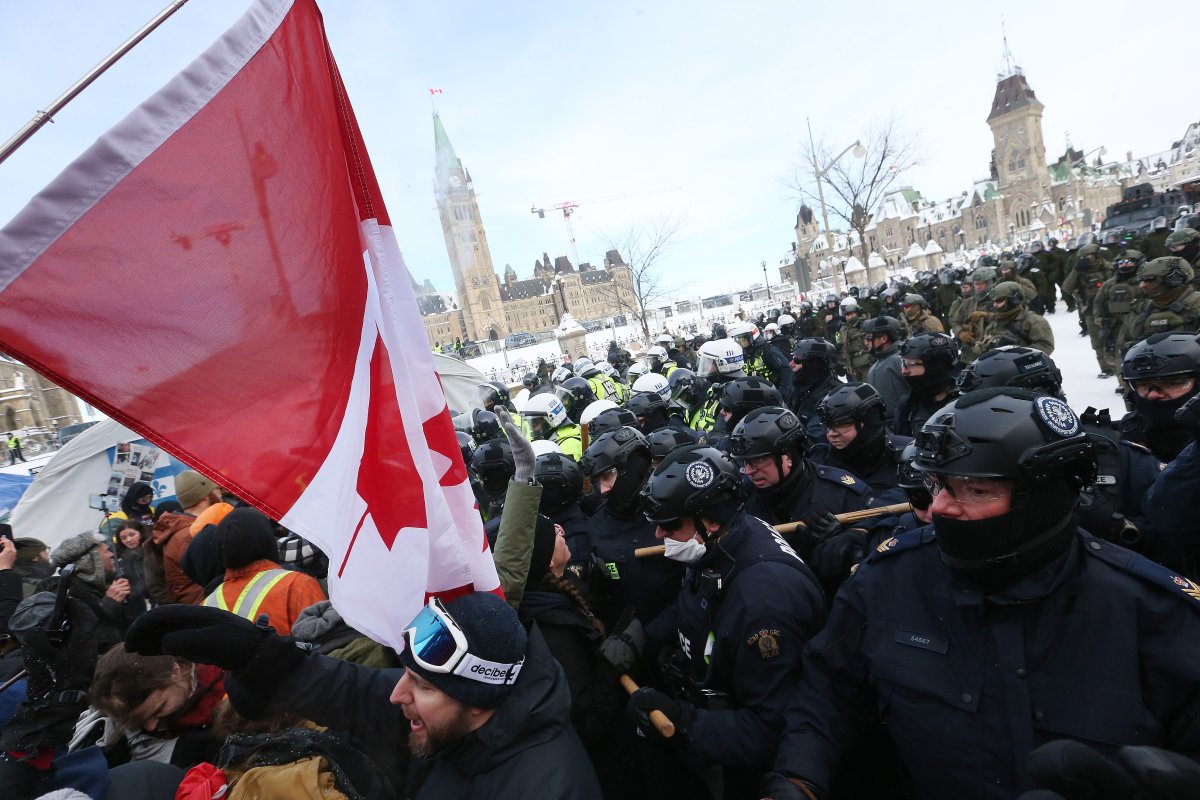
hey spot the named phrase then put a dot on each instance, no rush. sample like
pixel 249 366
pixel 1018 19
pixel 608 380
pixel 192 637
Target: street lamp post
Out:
pixel 766 280
pixel 819 174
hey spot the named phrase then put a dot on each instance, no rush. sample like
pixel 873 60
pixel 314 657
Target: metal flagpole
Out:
pixel 42 117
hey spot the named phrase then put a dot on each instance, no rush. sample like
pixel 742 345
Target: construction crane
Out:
pixel 568 210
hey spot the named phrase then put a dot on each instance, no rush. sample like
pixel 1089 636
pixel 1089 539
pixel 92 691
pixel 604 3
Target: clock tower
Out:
pixel 1019 157
pixel 475 279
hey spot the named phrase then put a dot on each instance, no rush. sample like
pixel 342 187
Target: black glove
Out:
pixel 1007 340
pixel 198 633
pixel 59 674
pixel 645 700
pixel 832 558
pixel 818 526
pixel 623 649
pixel 1077 772
pixel 777 786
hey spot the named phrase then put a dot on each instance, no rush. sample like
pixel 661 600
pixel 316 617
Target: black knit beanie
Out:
pixel 493 633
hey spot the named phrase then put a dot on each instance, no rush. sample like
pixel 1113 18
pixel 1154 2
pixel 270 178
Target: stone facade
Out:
pixel 30 402
pixel 1024 198
pixel 483 306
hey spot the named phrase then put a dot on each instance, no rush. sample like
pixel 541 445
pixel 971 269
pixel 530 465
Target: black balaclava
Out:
pixel 938 378
pixel 1164 436
pixel 624 500
pixel 783 496
pixel 554 501
pixel 862 456
pixel 655 420
pixel 991 554
pixel 814 372
pixel 879 354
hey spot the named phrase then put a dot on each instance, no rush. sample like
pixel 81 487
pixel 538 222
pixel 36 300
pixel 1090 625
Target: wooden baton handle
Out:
pixel 660 720
pixel 790 527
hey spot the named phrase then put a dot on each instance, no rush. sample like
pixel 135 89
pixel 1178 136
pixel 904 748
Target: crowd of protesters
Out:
pixel 726 571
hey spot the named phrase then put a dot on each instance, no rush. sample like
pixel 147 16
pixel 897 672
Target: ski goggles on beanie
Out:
pixel 437 644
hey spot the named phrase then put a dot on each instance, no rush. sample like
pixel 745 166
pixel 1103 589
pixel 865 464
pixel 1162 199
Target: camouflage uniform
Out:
pixel 1083 284
pixel 1116 300
pixel 1018 326
pixel 852 346
pixel 1165 307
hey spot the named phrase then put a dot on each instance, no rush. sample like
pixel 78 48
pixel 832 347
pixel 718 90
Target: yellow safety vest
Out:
pixel 252 596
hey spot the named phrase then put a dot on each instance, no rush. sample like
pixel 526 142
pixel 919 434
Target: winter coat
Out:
pixel 171 537
pixel 283 601
pixel 514 541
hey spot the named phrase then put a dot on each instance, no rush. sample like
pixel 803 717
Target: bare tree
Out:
pixel 642 247
pixel 854 187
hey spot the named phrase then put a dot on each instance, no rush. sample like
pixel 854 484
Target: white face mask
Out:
pixel 688 552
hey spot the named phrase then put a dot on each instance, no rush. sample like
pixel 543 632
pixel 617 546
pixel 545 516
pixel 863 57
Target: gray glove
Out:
pixel 522 450
pixel 623 649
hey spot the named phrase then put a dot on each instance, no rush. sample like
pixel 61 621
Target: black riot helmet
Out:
pixel 575 393
pixel 1007 434
pixel 855 402
pixel 684 386
pixel 1127 263
pixel 561 480
pixel 482 426
pixel 815 350
pixel 743 395
pixel 1025 367
pixel 1162 355
pixel 650 407
pixel 1026 262
pixel 466 446
pixel 493 463
pixel 490 394
pixel 610 419
pixel 665 440
pixel 612 449
pixel 889 326
pixel 930 347
pixel 767 431
pixel 694 482
pixel 911 479
pixel 530 381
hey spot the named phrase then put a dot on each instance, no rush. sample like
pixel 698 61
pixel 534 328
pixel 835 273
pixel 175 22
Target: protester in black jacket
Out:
pixel 505 739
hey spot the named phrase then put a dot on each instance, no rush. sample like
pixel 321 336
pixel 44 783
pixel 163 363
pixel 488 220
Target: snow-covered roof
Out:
pixel 875 260
pixel 854 265
pixel 932 248
pixel 914 251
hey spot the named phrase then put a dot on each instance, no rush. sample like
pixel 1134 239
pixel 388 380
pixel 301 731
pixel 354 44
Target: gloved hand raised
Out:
pixel 198 633
pixel 819 525
pixel 522 450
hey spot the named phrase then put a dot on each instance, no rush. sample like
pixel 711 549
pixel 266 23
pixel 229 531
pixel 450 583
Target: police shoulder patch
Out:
pixel 1145 569
pixel 908 540
pixel 767 641
pixel 842 478
pixel 1056 415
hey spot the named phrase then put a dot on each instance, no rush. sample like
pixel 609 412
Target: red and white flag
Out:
pixel 219 273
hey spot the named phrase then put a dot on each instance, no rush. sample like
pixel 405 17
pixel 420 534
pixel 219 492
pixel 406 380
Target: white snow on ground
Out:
pixel 1075 359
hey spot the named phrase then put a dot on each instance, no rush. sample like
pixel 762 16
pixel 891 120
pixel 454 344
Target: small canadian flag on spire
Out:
pixel 435 91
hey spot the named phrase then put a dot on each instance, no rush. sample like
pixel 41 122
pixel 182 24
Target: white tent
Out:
pixel 56 505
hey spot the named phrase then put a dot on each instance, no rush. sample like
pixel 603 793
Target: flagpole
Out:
pixel 42 117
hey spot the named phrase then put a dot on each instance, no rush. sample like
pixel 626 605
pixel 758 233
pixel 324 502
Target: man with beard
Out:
pixel 814 363
pixel 483 706
pixel 928 367
pixel 618 464
pixel 983 643
pixel 858 441
pixel 1162 373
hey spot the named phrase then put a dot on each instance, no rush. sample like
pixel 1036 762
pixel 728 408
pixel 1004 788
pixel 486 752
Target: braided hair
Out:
pixel 563 586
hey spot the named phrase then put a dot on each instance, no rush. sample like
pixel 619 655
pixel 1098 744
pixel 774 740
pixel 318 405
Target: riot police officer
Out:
pixel 1115 301
pixel 1019 366
pixel 1169 304
pixel 1010 322
pixel 852 341
pixel 814 375
pixel 562 489
pixel 927 363
pixel 771 448
pixel 858 440
pixel 747 606
pixel 718 362
pixel 1163 373
pixel 760 358
pixel 618 464
pixel 884 335
pixel 996 631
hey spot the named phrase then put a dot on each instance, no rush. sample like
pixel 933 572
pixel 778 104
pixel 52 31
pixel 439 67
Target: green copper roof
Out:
pixel 443 150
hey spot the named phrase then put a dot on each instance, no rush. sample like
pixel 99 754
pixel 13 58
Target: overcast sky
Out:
pixel 690 108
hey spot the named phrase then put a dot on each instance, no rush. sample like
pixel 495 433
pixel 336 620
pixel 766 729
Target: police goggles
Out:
pixel 1165 385
pixel 437 644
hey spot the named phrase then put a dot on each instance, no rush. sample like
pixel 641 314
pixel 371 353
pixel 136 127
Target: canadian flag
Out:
pixel 218 272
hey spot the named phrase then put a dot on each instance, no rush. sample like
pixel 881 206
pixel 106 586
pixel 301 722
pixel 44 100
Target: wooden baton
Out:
pixel 660 720
pixel 583 442
pixel 791 527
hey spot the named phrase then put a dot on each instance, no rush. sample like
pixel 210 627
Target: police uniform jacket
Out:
pixel 1169 506
pixel 647 584
pixel 804 402
pixel 1103 648
pixel 880 476
pixel 812 488
pixel 887 379
pixel 743 641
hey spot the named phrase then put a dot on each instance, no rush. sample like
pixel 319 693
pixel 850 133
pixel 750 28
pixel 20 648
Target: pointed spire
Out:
pixel 447 159
pixel 1011 67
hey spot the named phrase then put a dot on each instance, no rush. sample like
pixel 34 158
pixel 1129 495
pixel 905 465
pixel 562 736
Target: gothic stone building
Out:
pixel 484 307
pixel 1023 198
pixel 27 400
